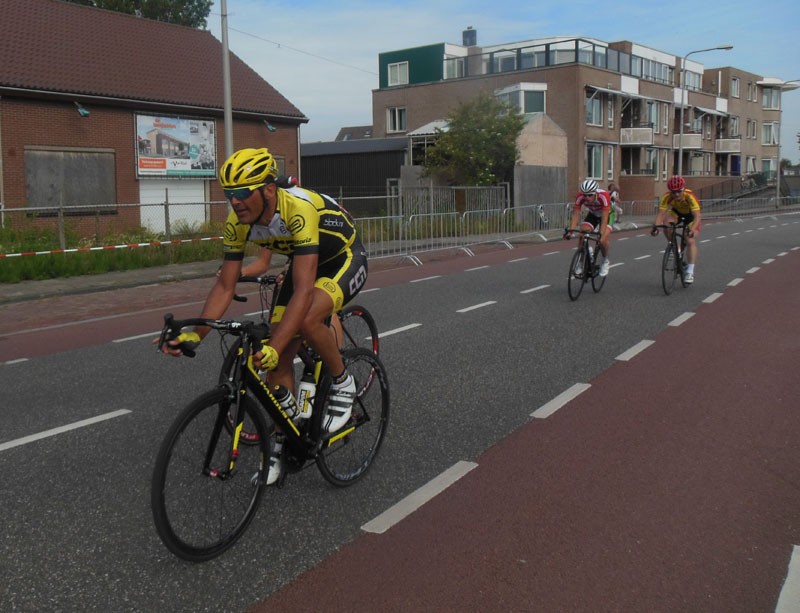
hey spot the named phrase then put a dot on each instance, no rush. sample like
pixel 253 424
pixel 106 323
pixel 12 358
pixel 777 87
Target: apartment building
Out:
pixel 620 105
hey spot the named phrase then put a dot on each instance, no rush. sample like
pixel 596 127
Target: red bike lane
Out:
pixel 679 491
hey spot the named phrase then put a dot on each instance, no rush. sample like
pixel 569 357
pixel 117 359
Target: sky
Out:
pixel 323 56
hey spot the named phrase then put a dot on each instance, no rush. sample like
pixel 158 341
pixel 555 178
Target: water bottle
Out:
pixel 286 400
pixel 591 252
pixel 305 394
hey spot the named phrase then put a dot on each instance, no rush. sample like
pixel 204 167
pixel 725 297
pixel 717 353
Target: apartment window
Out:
pixel 692 80
pixel 610 162
pixel 396 119
pixel 769 133
pixel 652 115
pixel 751 91
pixel 398 74
pixel 665 117
pixel 733 126
pixel 771 98
pixel 524 97
pixel 454 68
pixel 610 108
pixel 594 161
pixel 651 161
pixel 750 164
pixel 593 116
pixel 664 165
pixel 735 87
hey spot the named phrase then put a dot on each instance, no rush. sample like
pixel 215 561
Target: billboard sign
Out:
pixel 175 147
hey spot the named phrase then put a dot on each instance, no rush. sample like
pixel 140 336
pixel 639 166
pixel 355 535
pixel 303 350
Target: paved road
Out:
pixel 494 338
pixel 681 494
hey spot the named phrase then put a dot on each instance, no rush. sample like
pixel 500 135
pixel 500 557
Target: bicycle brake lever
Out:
pixel 239 298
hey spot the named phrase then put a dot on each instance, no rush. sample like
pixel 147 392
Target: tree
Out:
pixel 480 145
pixel 192 13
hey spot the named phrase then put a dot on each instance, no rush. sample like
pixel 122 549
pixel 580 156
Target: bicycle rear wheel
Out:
pixel 199 508
pixel 359 328
pixel 669 269
pixel 349 453
pixel 576 280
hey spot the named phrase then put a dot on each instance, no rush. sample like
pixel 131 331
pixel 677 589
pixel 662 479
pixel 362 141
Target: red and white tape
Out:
pixel 110 247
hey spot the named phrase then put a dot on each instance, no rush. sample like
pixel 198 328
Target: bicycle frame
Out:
pixel 585 257
pixel 675 251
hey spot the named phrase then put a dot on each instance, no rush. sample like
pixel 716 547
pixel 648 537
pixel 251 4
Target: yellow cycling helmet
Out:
pixel 248 167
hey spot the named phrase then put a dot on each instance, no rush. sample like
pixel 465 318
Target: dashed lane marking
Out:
pixel 712 297
pixel 634 351
pixel 417 498
pixel 735 282
pixel 789 599
pixel 425 279
pixel 397 330
pixel 54 431
pixel 534 289
pixel 546 410
pixel 680 319
pixel 477 306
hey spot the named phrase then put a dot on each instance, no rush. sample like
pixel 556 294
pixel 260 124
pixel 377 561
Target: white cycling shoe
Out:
pixel 340 404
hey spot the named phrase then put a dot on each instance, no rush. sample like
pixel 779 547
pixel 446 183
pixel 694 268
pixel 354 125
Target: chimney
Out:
pixel 469 37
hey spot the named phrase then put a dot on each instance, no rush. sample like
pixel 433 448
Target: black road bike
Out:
pixel 207 484
pixel 673 265
pixel 584 265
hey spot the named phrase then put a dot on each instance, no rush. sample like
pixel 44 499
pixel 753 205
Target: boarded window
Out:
pixel 69 178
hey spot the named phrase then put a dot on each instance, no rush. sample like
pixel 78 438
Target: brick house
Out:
pixel 99 107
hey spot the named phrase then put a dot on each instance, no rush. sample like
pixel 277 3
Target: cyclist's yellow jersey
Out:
pixel 305 222
pixel 687 203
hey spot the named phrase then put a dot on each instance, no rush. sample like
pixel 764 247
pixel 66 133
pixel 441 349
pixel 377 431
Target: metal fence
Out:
pixel 399 235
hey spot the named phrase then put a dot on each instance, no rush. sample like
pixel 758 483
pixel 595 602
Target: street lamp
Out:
pixel 785 86
pixel 684 97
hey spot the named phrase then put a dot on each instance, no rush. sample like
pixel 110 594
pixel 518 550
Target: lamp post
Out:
pixel 785 86
pixel 684 97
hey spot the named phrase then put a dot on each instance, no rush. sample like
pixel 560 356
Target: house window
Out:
pixel 735 87
pixel 396 119
pixel 664 166
pixel 594 161
pixel 769 133
pixel 610 162
pixel 534 102
pixel 593 116
pixel 454 68
pixel 524 97
pixel 665 117
pixel 752 128
pixel 751 91
pixel 398 74
pixel 771 98
pixel 750 164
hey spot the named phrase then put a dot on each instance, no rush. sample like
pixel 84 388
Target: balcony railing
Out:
pixel 636 136
pixel 690 141
pixel 728 145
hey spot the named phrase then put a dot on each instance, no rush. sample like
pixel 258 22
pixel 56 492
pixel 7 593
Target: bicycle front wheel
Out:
pixel 578 269
pixel 597 280
pixel 669 269
pixel 200 507
pixel 349 453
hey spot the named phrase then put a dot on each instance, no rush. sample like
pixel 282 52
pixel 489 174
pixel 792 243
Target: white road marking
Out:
pixel 769 261
pixel 397 330
pixel 137 337
pixel 534 289
pixel 643 257
pixel 425 279
pixel 477 306
pixel 681 319
pixel 789 599
pixel 547 409
pixel 635 350
pixel 712 297
pixel 48 433
pixel 17 361
pixel 476 268
pixel 752 270
pixel 417 498
pixel 735 282
pixel 517 260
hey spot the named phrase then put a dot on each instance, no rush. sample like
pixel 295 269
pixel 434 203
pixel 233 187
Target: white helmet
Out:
pixel 589 186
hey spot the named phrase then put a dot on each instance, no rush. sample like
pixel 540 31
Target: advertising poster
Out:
pixel 175 147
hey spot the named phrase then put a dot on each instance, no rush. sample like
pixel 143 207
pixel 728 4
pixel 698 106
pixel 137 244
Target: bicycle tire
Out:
pixel 359 328
pixel 575 282
pixel 347 456
pixel 682 267
pixel 597 281
pixel 669 268
pixel 197 513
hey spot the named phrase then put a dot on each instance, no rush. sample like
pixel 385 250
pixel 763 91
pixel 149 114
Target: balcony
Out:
pixel 728 145
pixel 635 136
pixel 690 141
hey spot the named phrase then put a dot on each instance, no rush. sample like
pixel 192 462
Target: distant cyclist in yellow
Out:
pixel 680 204
pixel 328 267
